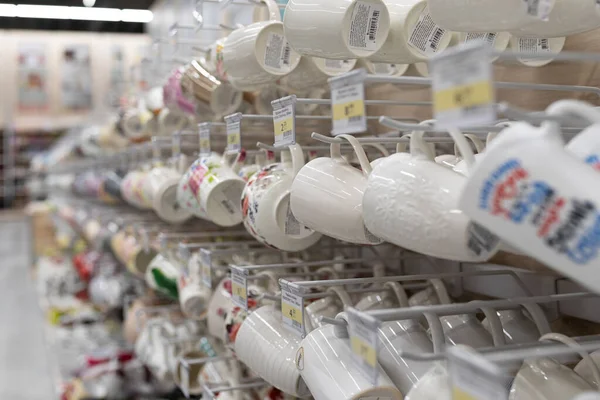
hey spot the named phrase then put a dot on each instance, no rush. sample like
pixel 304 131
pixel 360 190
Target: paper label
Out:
pixel 539 8
pixel 384 68
pixel 426 35
pixel 292 308
pixel 234 135
pixel 348 104
pixel 293 227
pixel 488 37
pixel 364 26
pixel 335 65
pixel 481 242
pixel 475 378
pixel 463 91
pixel 364 340
pixel 533 45
pixel 206 267
pixel 185 380
pixel 284 124
pixel 277 53
pixel 204 138
pixel 239 287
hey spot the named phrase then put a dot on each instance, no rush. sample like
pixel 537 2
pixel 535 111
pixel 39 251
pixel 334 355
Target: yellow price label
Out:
pixel 233 139
pixel 459 394
pixel 283 126
pixel 239 291
pixel 464 96
pixel 364 351
pixel 291 312
pixel 349 110
pixel 205 270
pixel 204 143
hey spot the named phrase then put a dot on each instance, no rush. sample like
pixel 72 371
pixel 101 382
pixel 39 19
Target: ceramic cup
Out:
pixel 160 187
pixel 412 201
pixel 266 10
pixel 269 349
pixel 519 328
pixel 450 160
pixel 266 205
pixel 325 362
pixel 413 35
pixel 481 15
pixel 340 29
pixel 377 68
pixel 546 379
pixel 339 188
pixel 213 188
pixel 315 71
pixel 258 54
pixel 523 199
pixel 162 275
pixel 566 18
pixel 219 305
pixel 193 295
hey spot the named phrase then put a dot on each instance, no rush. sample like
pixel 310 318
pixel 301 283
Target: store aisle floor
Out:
pixel 24 367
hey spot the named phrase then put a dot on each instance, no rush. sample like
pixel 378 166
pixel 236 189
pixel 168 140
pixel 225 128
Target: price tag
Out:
pixel 540 8
pixel 234 135
pixel 184 253
pixel 292 307
pixel 204 137
pixel 239 287
pixel 185 379
pixel 284 121
pixel 163 244
pixel 363 331
pixel 475 378
pixel 349 114
pixel 176 144
pixel 206 267
pixel 463 91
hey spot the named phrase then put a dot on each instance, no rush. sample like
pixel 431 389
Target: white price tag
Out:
pixel 234 135
pixel 349 114
pixel 206 267
pixel 239 287
pixel 363 331
pixel 185 379
pixel 539 8
pixel 204 138
pixel 184 253
pixel 475 378
pixel 284 121
pixel 292 307
pixel 463 91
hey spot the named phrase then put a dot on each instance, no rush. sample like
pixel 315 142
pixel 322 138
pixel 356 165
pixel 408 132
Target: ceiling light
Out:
pixel 75 13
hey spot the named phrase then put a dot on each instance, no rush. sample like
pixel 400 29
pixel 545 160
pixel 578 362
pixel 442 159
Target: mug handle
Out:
pixel 328 270
pixel 378 146
pixel 539 318
pixel 478 143
pixel 559 337
pixel 336 153
pixel 342 294
pixel 492 135
pixel 495 326
pixel 402 147
pixel 274 14
pixel 297 158
pixel 440 289
pixel 577 107
pixel 400 293
pixel 238 160
pixel 261 158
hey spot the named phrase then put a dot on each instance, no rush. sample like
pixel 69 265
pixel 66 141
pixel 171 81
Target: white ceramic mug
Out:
pixel 266 205
pixel 315 71
pixel 480 15
pixel 219 306
pixel 339 188
pixel 160 187
pixel 217 188
pixel 413 35
pixel 535 205
pixel 567 17
pixel 269 350
pixel 194 296
pixel 258 54
pixel 412 201
pixel 498 41
pixel 391 69
pixel 340 29
pixel 325 362
pixel 546 379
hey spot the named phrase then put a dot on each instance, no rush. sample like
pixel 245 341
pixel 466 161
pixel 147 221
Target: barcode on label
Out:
pixel 544 44
pixel 373 25
pixel 489 38
pixel 355 118
pixel 532 6
pixel 287 134
pixel 480 240
pixel 292 225
pixel 286 54
pixel 435 41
